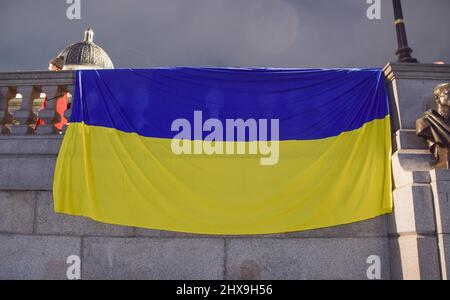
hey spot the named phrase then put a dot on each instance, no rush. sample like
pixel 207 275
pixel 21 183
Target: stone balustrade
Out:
pixel 21 96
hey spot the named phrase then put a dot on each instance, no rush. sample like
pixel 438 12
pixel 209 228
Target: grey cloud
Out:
pixel 254 33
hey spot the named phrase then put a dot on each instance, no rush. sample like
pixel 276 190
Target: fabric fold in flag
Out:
pixel 225 150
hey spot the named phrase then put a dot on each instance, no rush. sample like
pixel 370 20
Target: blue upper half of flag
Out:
pixel 309 103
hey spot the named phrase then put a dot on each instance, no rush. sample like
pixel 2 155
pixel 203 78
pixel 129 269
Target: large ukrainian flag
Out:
pixel 116 164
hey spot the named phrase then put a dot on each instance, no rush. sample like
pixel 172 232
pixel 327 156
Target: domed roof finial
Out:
pixel 86 54
pixel 89 35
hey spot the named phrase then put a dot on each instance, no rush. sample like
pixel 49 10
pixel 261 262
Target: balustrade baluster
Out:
pixel 25 116
pixel 48 115
pixel 68 112
pixel 6 119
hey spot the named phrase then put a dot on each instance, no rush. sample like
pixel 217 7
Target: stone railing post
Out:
pixel 419 246
pixel 6 119
pixel 49 114
pixel 24 115
pixel 71 90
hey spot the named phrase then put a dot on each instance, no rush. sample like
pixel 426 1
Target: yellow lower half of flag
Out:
pixel 126 179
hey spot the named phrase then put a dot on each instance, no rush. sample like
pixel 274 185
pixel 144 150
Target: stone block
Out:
pixel 153 258
pixel 441 196
pixel 304 258
pixel 49 222
pixel 415 96
pixel 30 144
pixel 27 172
pixel 36 257
pixel 444 248
pixel 413 211
pixel 17 211
pixel 414 257
pixel 440 175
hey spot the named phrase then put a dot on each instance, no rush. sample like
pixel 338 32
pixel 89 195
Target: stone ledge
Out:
pixel 413 160
pixel 395 71
pixel 30 144
pixel 406 139
pixel 32 78
pixel 376 227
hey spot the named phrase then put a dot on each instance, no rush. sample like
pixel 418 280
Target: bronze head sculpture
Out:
pixel 434 127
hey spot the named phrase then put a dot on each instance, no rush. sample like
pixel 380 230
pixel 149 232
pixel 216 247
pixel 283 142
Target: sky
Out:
pixel 223 33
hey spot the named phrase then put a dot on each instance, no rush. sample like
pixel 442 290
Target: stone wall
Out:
pixel 35 241
pixel 412 243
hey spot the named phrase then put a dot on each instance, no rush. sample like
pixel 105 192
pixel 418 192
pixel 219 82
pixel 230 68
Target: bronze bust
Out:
pixel 434 127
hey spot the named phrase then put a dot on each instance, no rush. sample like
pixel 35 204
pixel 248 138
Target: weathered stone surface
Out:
pixel 27 172
pixel 143 232
pixel 441 196
pixel 414 257
pixel 413 211
pixel 368 228
pixel 17 211
pixel 412 160
pixel 304 258
pixel 33 78
pixel 441 193
pixel 444 247
pixel 153 258
pixel 440 175
pixel 374 227
pixel 407 139
pixel 415 97
pixel 49 222
pixel 36 257
pixel 412 90
pixel 409 178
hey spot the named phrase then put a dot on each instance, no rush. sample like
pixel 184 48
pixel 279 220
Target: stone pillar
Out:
pixel 413 245
pixel 417 228
pixel 440 184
